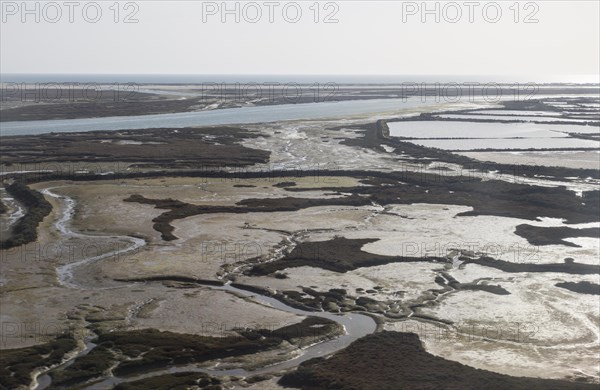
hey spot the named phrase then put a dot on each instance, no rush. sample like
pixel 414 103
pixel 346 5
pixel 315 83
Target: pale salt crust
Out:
pixel 412 279
pixel 558 328
pixel 414 235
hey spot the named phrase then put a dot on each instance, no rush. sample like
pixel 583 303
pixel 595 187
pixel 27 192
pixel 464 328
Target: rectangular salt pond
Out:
pixel 591 114
pixel 523 118
pixel 456 129
pixel 515 112
pixel 566 158
pixel 514 144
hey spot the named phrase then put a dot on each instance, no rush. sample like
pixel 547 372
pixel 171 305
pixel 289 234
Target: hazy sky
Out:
pixel 370 37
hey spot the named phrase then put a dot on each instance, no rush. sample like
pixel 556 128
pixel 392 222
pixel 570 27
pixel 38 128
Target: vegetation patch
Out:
pixel 285 184
pixel 97 361
pixel 169 148
pixel 131 352
pixel 24 230
pixel 581 287
pixel 307 332
pixel 339 255
pixel 568 267
pixel 17 365
pixel 539 235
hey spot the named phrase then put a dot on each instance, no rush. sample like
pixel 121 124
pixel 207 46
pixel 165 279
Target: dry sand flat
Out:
pixel 100 210
pixel 206 242
pixel 95 199
pixel 206 312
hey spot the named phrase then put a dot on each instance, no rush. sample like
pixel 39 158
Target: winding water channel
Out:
pixel 224 116
pixel 355 325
